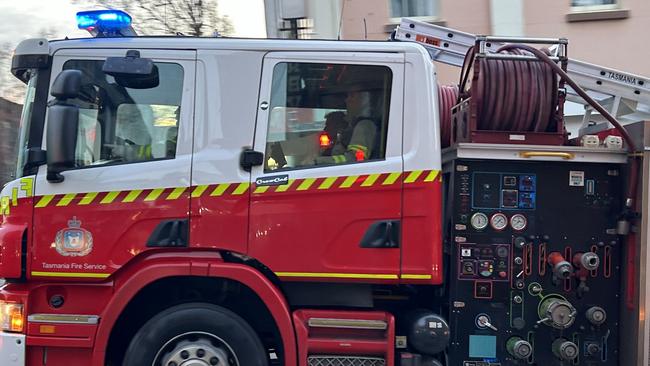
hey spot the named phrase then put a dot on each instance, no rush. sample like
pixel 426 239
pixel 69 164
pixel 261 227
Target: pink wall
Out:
pixel 453 14
pixel 620 44
pixel 375 12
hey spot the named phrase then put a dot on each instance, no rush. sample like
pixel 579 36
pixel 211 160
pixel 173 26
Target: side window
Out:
pixel 324 114
pixel 118 124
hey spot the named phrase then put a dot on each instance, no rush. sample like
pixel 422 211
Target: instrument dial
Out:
pixel 518 222
pixel 479 221
pixel 498 221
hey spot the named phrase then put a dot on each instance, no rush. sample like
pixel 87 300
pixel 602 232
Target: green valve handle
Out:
pixel 519 348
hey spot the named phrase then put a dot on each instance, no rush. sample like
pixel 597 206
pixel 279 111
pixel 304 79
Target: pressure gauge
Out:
pixel 518 222
pixel 479 221
pixel 498 221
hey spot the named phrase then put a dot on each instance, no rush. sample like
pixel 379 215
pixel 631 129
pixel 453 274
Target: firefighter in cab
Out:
pixel 356 133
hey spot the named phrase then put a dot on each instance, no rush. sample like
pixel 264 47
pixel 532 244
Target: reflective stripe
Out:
pixel 220 189
pixel 153 195
pixel 337 275
pixel 45 200
pixel 327 183
pixel 285 187
pixel 306 184
pixel 198 191
pixel 392 178
pixel 262 189
pixel 177 192
pixel 71 274
pixel 144 151
pixel 415 277
pixel 413 176
pixel 339 158
pixel 358 147
pixel 109 198
pixel 372 178
pixel 132 196
pixel 432 176
pixel 243 187
pixel 88 198
pixel 240 188
pixel 66 200
pixel 349 181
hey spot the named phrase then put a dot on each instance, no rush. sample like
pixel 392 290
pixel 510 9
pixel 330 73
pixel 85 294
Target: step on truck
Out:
pixel 243 202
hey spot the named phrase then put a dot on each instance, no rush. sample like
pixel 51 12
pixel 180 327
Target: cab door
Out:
pixel 129 189
pixel 315 216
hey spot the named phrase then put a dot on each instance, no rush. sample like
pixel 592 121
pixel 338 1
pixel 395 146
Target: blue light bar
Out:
pixel 103 21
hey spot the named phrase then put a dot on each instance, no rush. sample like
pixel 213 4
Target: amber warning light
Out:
pixel 12 319
pixel 324 140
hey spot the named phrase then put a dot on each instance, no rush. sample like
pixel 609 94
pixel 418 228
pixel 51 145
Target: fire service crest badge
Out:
pixel 74 241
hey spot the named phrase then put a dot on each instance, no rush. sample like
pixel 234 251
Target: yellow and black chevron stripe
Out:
pixel 353 181
pixel 237 189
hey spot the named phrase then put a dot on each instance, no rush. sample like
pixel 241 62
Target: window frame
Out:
pixel 386 115
pixel 347 54
pixel 109 163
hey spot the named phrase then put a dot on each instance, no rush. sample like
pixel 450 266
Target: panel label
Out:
pixel 576 178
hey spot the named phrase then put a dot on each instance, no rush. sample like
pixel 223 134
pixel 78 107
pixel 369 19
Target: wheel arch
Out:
pixel 147 270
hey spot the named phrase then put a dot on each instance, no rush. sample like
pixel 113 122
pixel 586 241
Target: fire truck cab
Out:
pixel 183 201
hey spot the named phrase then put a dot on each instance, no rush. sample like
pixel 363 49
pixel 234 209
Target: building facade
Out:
pixel 604 32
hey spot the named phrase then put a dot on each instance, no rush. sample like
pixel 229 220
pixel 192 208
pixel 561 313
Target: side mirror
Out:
pixel 62 125
pixel 132 71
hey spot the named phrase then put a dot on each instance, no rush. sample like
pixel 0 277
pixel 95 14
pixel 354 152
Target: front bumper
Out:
pixel 12 349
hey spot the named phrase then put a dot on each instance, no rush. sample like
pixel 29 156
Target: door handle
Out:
pixel 382 234
pixel 250 158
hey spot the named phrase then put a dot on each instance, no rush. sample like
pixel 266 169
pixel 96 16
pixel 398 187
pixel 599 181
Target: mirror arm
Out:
pixel 55 177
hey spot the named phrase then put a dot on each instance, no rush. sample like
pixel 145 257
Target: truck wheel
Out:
pixel 196 334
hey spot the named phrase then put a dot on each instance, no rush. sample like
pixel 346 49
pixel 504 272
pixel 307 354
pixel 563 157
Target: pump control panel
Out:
pixel 535 263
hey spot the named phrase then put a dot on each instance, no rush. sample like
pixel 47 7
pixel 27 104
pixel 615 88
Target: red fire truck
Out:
pixel 212 201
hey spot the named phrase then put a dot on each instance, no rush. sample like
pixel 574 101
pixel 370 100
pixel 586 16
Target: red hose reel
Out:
pixel 506 97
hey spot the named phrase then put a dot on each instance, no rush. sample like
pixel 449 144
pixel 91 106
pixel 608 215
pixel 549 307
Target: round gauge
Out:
pixel 518 222
pixel 479 221
pixel 499 221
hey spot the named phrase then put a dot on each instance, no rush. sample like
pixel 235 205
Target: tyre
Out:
pixel 195 334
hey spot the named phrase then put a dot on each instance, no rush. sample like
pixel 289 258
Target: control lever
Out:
pixel 483 321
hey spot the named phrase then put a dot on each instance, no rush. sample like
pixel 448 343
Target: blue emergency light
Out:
pixel 105 23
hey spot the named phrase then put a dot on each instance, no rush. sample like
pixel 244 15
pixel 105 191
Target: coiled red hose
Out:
pixel 513 95
pixel 447 97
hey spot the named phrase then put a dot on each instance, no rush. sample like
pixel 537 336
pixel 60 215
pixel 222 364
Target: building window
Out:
pixel 593 5
pixel 327 114
pixel 424 9
pixel 592 2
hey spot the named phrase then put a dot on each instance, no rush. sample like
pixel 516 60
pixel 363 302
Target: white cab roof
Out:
pixel 193 43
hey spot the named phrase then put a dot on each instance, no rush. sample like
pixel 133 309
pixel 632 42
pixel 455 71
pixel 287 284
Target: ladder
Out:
pixel 626 96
